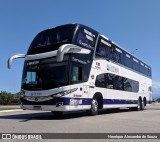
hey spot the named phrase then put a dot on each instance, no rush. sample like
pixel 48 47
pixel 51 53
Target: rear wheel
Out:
pixel 139 106
pixel 94 107
pixel 57 113
pixel 143 103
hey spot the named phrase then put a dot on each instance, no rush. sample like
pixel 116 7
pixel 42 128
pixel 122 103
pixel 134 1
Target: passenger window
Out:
pixel 117 55
pixel 110 81
pixel 103 48
pixel 100 81
pixel 127 84
pixel 128 60
pixel 136 64
pixel 118 83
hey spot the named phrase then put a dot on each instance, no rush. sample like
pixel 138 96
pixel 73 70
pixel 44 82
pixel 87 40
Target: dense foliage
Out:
pixel 7 98
pixel 158 100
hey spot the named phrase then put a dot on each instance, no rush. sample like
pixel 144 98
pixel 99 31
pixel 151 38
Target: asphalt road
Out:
pixel 121 121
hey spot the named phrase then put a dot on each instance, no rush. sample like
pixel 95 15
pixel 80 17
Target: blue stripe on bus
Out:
pixel 85 101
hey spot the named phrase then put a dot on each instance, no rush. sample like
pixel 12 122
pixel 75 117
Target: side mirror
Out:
pixel 70 48
pixel 10 60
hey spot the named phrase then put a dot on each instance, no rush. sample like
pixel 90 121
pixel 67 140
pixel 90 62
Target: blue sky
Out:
pixel 130 23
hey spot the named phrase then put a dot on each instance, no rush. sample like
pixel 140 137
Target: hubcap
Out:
pixel 95 105
pixel 138 104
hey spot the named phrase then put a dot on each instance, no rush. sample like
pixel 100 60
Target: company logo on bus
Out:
pixel 112 69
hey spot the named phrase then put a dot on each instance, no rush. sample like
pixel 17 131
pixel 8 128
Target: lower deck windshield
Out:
pixel 44 74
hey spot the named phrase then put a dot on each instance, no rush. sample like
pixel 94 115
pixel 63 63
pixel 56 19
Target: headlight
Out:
pixel 60 94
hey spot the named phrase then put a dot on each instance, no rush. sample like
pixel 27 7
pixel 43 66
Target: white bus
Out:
pixel 73 67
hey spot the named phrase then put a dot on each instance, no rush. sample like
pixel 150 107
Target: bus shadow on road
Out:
pixel 49 116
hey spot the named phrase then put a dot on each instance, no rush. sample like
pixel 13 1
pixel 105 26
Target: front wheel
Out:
pixel 94 107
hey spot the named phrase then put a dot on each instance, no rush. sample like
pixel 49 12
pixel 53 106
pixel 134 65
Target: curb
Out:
pixel 11 110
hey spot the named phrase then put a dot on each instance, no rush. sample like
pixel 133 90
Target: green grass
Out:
pixel 8 108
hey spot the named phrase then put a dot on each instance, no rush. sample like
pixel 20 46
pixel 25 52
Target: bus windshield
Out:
pixel 52 39
pixel 44 74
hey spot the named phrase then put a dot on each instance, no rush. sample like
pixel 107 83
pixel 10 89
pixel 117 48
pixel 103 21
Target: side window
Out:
pixel 103 48
pixel 117 55
pixel 135 64
pixel 100 81
pixel 127 84
pixel 142 68
pixel 131 85
pixel 85 38
pixel 77 74
pixel 135 86
pixel 128 60
pixel 118 83
pixel 114 82
pixel 149 72
pixel 110 81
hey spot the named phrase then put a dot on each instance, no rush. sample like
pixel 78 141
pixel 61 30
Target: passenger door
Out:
pixel 76 81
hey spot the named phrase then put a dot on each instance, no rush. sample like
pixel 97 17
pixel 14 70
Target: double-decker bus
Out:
pixel 73 67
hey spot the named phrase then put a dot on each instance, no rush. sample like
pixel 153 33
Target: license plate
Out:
pixel 37 107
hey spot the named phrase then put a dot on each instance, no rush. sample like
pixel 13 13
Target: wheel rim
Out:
pixel 95 105
pixel 138 105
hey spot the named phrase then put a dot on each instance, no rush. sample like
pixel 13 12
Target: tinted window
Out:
pixel 131 85
pixel 86 38
pixel 52 39
pixel 112 81
pixel 142 68
pixel 100 81
pixel 103 48
pixel 149 72
pixel 128 60
pixel 135 64
pixel 127 84
pixel 117 55
pixel 44 74
pixel 118 83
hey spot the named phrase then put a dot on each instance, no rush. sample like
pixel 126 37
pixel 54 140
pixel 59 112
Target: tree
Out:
pixel 158 100
pixel 6 97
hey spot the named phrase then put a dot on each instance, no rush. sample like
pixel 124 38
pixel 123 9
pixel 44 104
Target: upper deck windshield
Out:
pixel 45 74
pixel 52 39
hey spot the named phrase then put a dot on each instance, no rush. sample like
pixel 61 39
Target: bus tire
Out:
pixel 139 106
pixel 57 113
pixel 143 103
pixel 94 107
